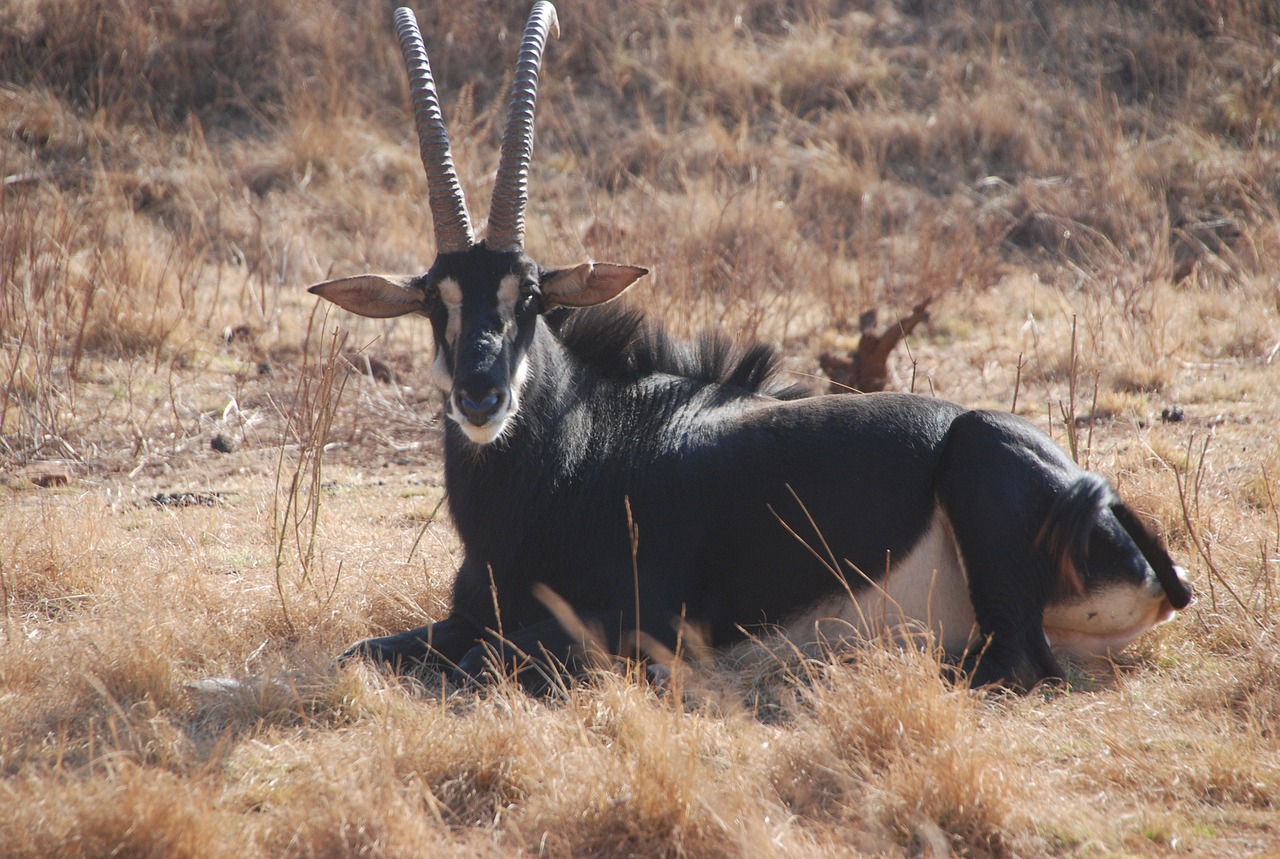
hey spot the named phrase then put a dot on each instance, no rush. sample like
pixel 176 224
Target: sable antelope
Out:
pixel 644 480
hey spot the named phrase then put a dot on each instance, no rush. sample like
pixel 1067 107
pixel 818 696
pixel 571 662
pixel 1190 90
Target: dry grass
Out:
pixel 174 173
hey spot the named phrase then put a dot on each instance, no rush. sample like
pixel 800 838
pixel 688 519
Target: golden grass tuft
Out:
pixel 888 745
pixel 122 809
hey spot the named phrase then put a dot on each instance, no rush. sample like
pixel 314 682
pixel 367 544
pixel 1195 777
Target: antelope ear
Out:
pixel 589 284
pixel 377 296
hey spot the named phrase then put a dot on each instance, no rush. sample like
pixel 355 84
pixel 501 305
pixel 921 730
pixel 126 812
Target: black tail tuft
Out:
pixel 1178 592
pixel 1064 536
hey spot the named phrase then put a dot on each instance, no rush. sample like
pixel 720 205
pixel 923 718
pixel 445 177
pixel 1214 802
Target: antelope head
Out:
pixel 483 297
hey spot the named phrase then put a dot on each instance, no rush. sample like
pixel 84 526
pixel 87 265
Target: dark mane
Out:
pixel 619 343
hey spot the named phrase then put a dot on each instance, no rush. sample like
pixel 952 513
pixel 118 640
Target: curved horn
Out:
pixel 511 189
pixel 448 208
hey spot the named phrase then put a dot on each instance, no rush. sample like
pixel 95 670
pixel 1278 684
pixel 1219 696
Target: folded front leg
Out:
pixel 541 656
pixel 438 646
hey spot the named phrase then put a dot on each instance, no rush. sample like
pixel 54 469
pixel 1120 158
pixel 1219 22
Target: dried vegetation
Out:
pixel 201 506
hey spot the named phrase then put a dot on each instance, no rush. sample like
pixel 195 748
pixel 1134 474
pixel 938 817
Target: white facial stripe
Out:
pixel 440 375
pixel 450 292
pixel 508 292
pixel 453 324
pixel 451 295
pixel 518 379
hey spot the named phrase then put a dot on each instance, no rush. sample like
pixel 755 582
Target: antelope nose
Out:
pixel 480 407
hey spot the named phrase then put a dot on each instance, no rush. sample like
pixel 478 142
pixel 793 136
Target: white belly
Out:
pixel 927 591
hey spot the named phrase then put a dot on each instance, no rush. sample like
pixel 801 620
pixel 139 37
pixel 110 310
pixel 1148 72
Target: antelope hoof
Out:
pixel 398 651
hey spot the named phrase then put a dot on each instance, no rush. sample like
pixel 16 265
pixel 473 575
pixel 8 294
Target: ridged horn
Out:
pixel 511 188
pixel 448 207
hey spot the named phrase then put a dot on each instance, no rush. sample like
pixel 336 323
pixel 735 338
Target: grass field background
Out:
pixel 203 502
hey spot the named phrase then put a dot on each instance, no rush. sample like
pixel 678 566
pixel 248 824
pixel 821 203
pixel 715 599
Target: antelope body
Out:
pixel 646 481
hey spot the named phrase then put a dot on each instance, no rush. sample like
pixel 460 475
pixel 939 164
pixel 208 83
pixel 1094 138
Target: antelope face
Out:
pixel 483 307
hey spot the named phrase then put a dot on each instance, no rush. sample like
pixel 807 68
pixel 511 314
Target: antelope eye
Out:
pixel 530 297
